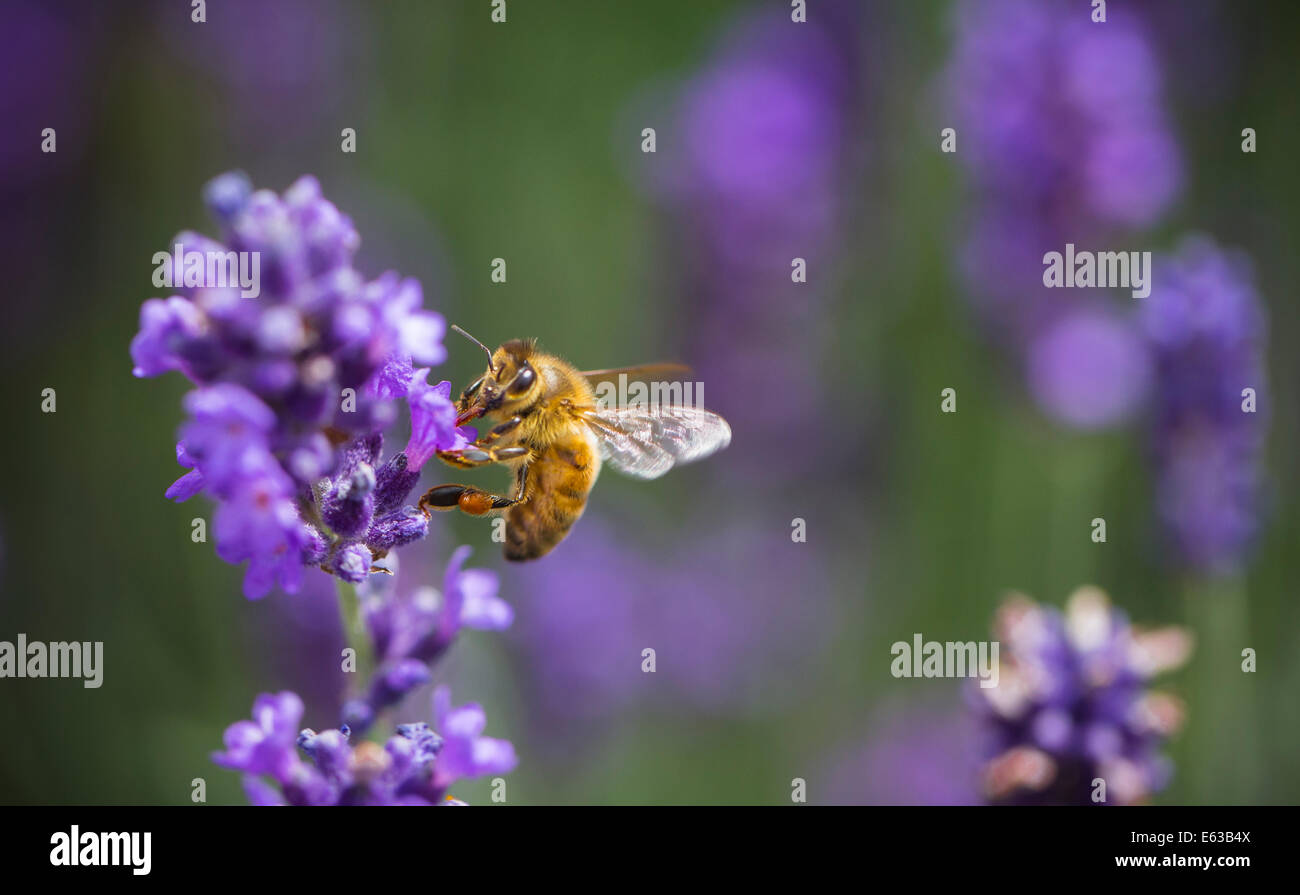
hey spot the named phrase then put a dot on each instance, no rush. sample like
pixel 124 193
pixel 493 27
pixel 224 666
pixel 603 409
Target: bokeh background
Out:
pixel 523 141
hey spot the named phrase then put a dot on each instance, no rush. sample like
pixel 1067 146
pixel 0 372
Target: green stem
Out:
pixel 1222 725
pixel 354 632
pixel 1077 483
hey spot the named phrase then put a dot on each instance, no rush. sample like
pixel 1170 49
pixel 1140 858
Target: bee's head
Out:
pixel 509 384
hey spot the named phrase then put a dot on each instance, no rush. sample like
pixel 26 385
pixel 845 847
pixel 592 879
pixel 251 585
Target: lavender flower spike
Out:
pixel 1065 139
pixel 294 385
pixel 413 630
pixel 1072 707
pixel 413 767
pixel 1206 328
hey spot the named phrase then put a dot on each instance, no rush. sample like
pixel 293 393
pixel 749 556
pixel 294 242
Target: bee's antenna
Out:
pixel 486 350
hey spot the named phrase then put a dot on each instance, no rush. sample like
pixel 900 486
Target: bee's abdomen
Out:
pixel 558 483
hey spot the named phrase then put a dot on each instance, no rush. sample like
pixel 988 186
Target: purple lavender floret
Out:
pixel 1072 705
pixel 416 766
pixel 360 514
pixel 433 420
pixel 294 386
pixel 465 752
pixel 906 755
pixel 413 630
pixel 421 625
pixel 264 745
pixel 1206 328
pixel 316 328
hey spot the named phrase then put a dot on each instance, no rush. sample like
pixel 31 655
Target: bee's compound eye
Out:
pixel 523 380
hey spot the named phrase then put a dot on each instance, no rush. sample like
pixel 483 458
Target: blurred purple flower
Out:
pixel 49 63
pixel 187 485
pixel 54 57
pixel 1204 67
pixel 1061 117
pixel 228 434
pixel 756 153
pixel 1064 137
pixel 1206 328
pixel 300 637
pixel 730 615
pixel 283 66
pixel 1090 369
pixel 1072 704
pixel 913 756
pixel 260 523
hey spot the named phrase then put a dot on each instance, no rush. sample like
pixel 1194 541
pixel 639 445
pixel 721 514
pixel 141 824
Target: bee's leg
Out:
pixel 497 431
pixel 471 500
pixel 472 456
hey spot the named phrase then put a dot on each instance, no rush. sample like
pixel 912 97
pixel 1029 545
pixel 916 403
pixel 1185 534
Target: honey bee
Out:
pixel 553 435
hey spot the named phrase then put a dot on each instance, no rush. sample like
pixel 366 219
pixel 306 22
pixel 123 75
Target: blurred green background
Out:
pixel 478 141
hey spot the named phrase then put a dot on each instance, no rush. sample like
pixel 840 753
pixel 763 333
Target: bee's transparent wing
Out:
pixel 647 442
pixel 640 372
